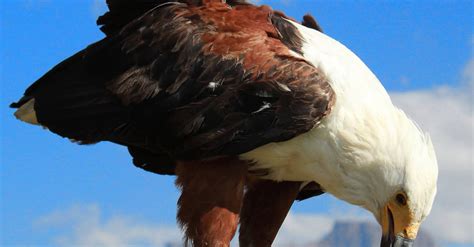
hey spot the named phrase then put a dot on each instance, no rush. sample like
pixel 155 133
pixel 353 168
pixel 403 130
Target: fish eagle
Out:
pixel 251 111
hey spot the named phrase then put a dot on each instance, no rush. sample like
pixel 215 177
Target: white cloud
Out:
pixel 301 229
pixel 446 113
pixel 84 226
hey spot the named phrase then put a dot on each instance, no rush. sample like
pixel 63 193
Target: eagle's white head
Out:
pixel 391 170
pixel 385 163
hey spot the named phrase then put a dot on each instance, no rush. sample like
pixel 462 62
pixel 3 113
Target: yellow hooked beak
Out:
pixel 398 226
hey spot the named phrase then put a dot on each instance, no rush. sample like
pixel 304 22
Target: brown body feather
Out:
pixel 211 198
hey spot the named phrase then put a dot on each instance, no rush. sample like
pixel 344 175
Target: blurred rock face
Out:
pixel 362 234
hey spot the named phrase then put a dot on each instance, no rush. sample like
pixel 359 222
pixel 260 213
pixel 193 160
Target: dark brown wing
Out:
pixel 184 83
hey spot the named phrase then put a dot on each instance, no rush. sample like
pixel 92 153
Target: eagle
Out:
pixel 249 109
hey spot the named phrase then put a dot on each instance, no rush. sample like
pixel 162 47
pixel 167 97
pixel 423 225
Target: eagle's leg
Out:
pixel 209 206
pixel 266 204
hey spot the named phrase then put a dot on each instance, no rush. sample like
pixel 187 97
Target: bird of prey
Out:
pixel 250 109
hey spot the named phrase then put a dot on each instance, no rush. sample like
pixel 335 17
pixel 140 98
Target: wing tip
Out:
pixel 26 111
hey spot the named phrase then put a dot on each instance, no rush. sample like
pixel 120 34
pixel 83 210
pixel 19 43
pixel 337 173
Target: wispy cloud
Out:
pixel 301 229
pixel 83 225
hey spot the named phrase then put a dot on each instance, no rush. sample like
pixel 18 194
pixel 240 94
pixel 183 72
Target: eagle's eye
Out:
pixel 401 199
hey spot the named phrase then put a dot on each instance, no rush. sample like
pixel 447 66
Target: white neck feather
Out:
pixel 357 125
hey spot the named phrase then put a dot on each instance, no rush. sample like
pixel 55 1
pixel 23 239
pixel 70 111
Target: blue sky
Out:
pixel 412 46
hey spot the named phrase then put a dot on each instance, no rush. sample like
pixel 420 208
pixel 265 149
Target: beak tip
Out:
pixel 403 242
pixel 397 241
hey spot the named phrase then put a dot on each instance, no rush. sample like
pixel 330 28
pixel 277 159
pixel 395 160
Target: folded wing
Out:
pixel 185 82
